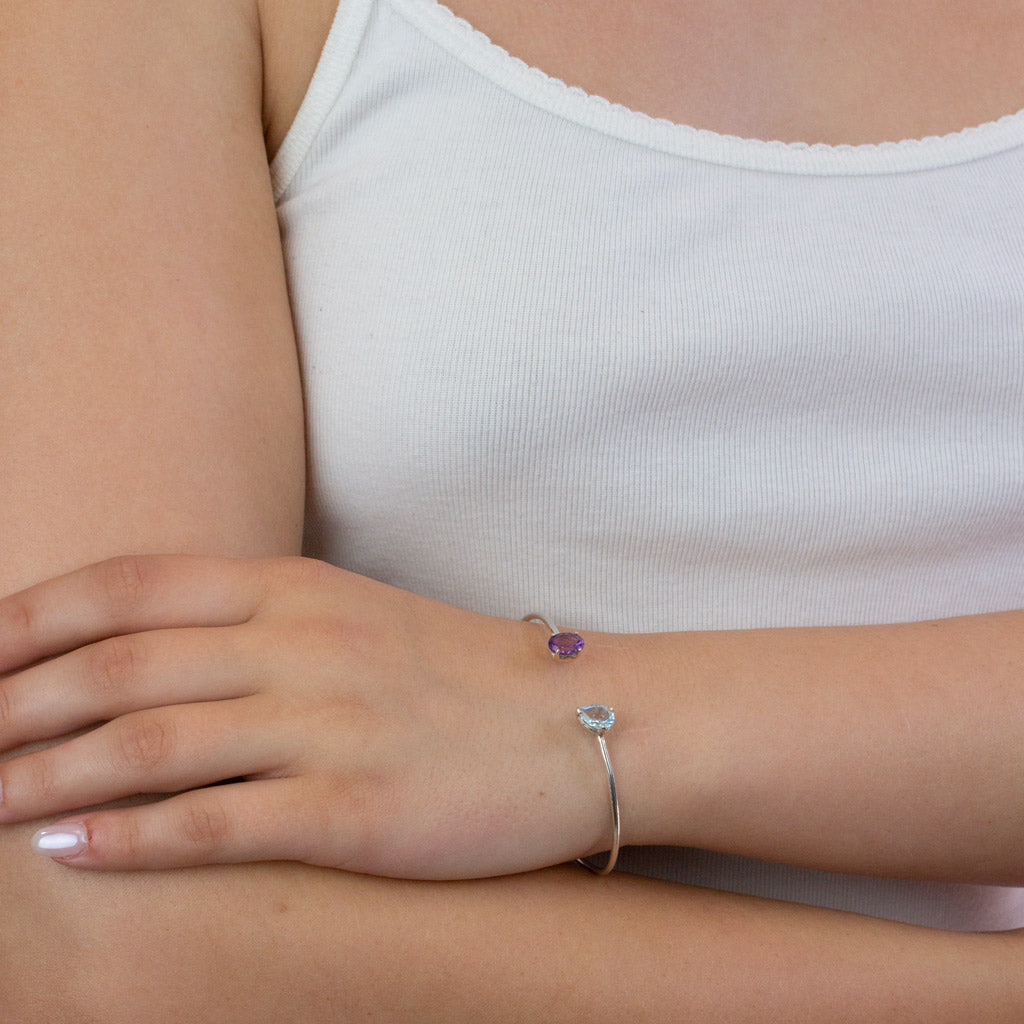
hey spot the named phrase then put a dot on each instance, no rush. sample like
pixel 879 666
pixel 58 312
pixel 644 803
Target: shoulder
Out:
pixel 184 51
pixel 147 339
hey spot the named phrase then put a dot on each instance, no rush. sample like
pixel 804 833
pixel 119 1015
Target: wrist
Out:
pixel 647 745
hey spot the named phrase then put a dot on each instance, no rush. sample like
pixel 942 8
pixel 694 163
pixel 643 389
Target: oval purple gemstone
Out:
pixel 565 645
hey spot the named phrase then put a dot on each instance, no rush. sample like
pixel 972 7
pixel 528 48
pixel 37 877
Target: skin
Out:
pixel 813 71
pixel 156 318
pixel 896 745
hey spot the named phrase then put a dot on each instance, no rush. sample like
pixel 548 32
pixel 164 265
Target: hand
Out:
pixel 352 724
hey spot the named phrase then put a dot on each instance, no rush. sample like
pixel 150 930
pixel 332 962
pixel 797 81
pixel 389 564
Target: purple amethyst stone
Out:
pixel 565 645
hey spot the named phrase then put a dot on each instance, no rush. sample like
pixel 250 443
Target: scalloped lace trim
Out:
pixel 468 42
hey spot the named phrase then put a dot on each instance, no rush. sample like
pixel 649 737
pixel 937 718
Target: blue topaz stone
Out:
pixel 598 718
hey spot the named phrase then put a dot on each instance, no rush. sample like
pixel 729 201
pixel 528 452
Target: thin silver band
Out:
pixel 598 728
pixel 613 796
pixel 533 617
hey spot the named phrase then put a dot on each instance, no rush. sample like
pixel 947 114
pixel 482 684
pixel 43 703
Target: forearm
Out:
pixel 280 942
pixel 881 750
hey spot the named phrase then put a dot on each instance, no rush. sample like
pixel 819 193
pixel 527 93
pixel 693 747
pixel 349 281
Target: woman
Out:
pixel 664 385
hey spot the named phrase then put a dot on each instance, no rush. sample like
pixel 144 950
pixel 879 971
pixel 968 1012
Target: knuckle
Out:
pixel 350 823
pixel 322 820
pixel 205 826
pixel 124 580
pixel 296 564
pixel 129 837
pixel 43 780
pixel 144 743
pixel 7 712
pixel 113 666
pixel 299 569
pixel 18 616
pixel 271 576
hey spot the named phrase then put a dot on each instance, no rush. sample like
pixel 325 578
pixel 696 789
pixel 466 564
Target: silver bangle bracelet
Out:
pixel 595 718
pixel 598 719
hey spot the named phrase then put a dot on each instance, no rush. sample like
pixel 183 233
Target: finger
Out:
pixel 229 824
pixel 123 674
pixel 166 750
pixel 125 595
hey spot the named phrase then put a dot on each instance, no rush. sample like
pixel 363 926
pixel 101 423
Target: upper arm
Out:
pixel 149 387
pixel 149 390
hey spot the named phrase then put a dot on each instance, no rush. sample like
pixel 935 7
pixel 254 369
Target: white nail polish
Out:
pixel 60 840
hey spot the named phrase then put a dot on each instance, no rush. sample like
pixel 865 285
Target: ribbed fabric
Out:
pixel 559 355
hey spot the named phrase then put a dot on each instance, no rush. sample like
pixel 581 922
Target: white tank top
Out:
pixel 560 355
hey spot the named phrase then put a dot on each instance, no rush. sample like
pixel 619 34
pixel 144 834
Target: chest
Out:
pixel 695 378
pixel 645 355
pixel 796 70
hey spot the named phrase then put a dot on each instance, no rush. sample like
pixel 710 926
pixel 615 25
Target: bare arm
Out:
pixel 149 393
pixel 149 401
pixel 886 750
pixel 282 942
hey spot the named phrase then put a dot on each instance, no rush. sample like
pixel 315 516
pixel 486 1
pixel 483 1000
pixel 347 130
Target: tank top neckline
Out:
pixel 474 49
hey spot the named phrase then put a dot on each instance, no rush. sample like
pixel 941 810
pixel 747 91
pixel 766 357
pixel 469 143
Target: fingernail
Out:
pixel 60 840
